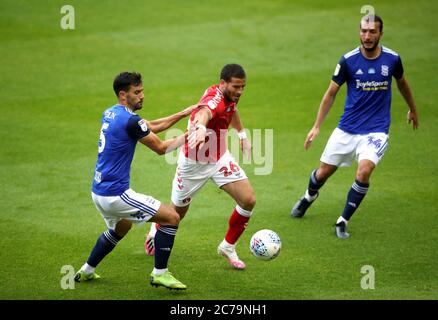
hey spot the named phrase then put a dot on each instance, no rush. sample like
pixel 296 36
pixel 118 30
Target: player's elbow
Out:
pixel 153 128
pixel 161 150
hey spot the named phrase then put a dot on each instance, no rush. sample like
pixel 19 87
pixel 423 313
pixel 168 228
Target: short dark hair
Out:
pixel 232 70
pixel 125 80
pixel 374 17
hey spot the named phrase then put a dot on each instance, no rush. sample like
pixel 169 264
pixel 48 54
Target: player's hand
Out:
pixel 187 111
pixel 310 137
pixel 412 117
pixel 246 147
pixel 197 135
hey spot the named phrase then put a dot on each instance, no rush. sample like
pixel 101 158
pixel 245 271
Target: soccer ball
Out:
pixel 265 244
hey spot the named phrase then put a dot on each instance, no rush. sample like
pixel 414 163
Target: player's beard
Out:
pixel 135 106
pixel 139 105
pixel 229 97
pixel 372 48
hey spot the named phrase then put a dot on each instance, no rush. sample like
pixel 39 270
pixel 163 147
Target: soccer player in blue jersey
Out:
pixel 362 132
pixel 120 206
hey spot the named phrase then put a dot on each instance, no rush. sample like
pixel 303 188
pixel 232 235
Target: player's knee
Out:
pixel 173 219
pixel 324 172
pixel 249 202
pixel 363 175
pixel 321 176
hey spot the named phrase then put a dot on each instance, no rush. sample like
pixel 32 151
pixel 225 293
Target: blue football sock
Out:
pixel 314 185
pixel 164 239
pixel 354 198
pixel 104 245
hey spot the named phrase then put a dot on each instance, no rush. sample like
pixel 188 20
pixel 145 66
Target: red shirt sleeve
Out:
pixel 213 99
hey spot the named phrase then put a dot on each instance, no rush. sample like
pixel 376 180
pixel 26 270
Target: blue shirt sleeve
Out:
pixel 340 75
pixel 137 127
pixel 398 69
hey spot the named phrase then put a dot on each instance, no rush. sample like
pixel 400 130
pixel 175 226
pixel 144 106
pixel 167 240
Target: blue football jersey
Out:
pixel 121 128
pixel 368 102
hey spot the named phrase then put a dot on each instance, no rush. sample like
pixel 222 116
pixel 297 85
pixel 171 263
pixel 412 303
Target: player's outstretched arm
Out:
pixel 326 103
pixel 406 92
pixel 153 142
pixel 162 124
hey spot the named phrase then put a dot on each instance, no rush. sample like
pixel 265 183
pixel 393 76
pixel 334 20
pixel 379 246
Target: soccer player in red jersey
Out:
pixel 205 156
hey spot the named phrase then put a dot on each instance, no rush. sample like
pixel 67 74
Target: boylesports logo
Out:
pixel 372 85
pixel 213 103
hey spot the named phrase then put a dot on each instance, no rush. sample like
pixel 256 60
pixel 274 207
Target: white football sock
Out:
pixel 309 197
pixel 159 272
pixel 225 244
pixel 88 269
pixel 341 219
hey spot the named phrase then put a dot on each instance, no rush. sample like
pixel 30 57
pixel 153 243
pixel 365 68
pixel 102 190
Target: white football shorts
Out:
pixel 135 207
pixel 342 147
pixel 191 176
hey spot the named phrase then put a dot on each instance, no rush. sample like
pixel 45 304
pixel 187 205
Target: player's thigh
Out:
pixel 189 179
pixel 134 207
pixel 242 192
pixel 340 149
pixel 372 147
pixel 231 178
pixel 103 206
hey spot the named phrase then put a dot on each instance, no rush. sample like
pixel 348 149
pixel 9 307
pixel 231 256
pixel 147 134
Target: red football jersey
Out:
pixel 222 112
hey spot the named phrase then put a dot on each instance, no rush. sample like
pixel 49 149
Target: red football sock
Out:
pixel 237 225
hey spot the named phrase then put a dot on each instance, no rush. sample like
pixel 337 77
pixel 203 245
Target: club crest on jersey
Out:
pixel 385 70
pixel 139 215
pixel 142 124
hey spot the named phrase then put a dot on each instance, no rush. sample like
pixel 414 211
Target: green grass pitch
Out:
pixel 55 83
